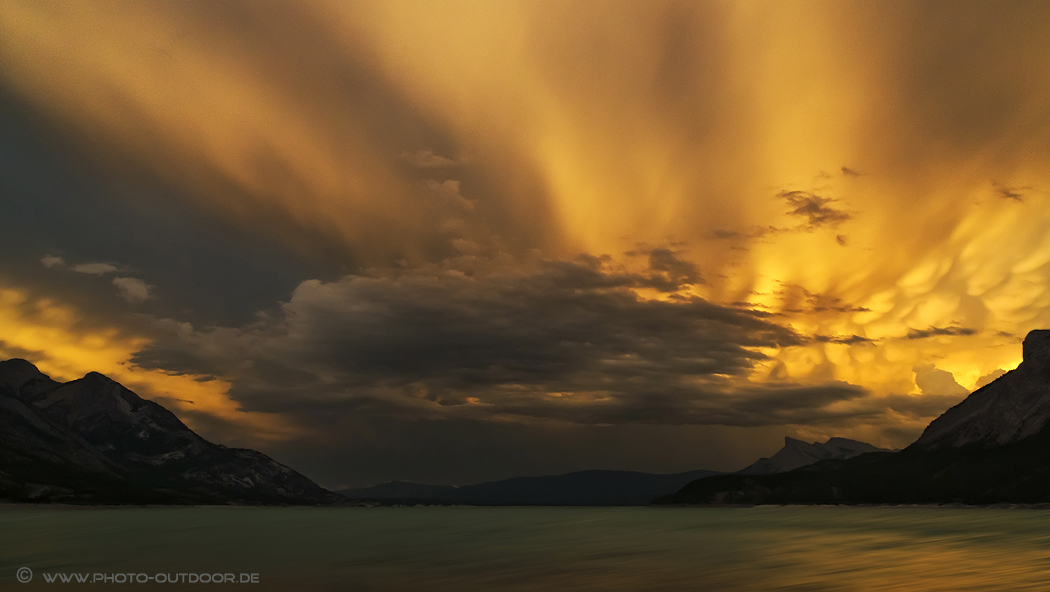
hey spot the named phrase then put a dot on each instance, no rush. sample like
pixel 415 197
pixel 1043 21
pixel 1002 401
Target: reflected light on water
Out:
pixel 457 548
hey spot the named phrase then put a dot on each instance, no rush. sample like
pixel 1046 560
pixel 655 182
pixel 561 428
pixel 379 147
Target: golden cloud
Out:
pixel 860 170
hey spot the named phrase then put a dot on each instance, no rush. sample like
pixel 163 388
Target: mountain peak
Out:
pixel 17 369
pixel 1035 352
pixel 93 439
pixel 97 377
pixel 18 364
pixel 23 378
pixel 799 453
pixel 839 440
pixel 1011 408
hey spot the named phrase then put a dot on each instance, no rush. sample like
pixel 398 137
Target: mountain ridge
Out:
pixel 601 487
pixel 798 453
pixel 990 448
pixel 593 487
pixel 1012 407
pixel 92 440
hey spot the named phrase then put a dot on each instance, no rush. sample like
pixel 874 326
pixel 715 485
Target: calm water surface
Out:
pixel 393 549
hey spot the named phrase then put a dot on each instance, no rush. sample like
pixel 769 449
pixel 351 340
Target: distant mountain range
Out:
pixel 93 441
pixel 583 488
pixel 993 447
pixel 600 488
pixel 796 454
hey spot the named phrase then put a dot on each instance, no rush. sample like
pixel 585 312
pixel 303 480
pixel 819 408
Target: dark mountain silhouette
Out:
pixel 583 488
pixel 796 454
pixel 993 447
pixel 401 490
pixel 597 488
pixel 93 441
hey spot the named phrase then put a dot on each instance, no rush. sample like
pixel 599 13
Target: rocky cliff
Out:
pixel 1013 407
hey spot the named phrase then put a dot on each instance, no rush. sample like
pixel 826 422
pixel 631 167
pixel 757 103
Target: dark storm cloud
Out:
pixel 271 121
pixel 756 232
pixel 799 300
pixel 816 212
pixel 667 272
pixel 725 234
pixel 1014 193
pixel 935 331
pixel 803 404
pixel 566 340
pixel 843 339
pixel 924 407
pixel 56 214
pixel 813 208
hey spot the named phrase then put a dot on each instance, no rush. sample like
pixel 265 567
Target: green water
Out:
pixel 419 549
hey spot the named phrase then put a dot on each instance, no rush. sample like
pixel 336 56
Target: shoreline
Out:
pixel 19 506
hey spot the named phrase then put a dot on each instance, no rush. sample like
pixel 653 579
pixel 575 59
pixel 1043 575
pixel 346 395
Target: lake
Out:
pixel 464 548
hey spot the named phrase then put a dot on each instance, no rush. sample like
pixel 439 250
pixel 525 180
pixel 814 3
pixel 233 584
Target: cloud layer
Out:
pixel 566 340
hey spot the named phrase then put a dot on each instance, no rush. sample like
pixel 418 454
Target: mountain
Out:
pixel 583 488
pixel 93 441
pixel 993 447
pixel 401 490
pixel 796 454
pixel 1013 407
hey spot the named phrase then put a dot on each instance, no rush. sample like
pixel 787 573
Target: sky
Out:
pixel 458 241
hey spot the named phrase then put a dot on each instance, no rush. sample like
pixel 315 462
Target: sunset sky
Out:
pixel 456 241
